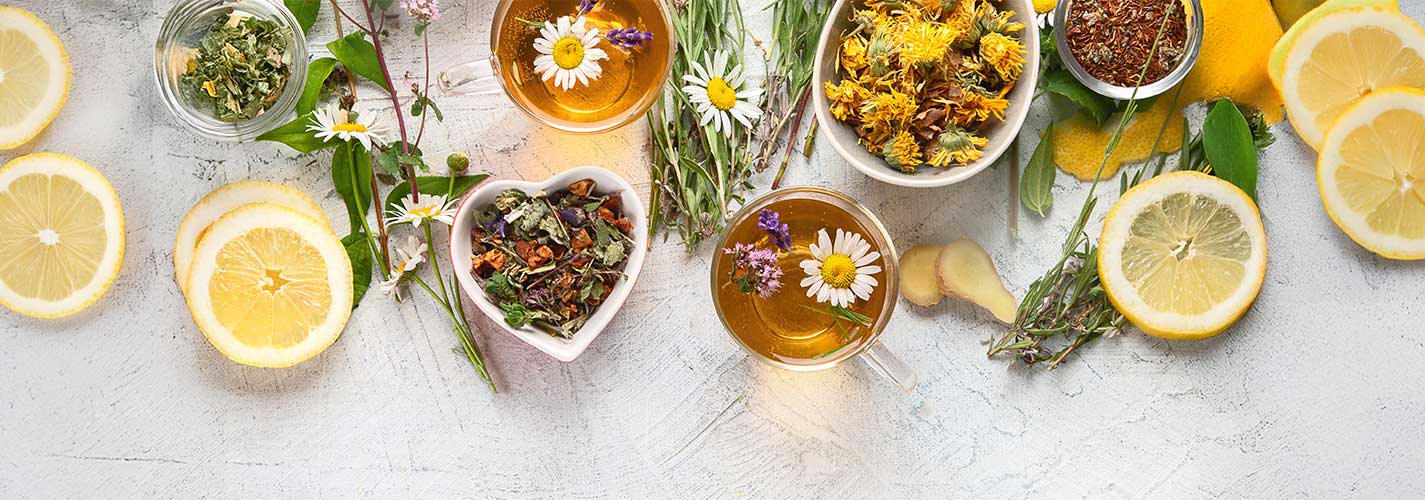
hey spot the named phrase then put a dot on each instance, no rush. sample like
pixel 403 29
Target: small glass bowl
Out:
pixel 184 27
pixel 1194 46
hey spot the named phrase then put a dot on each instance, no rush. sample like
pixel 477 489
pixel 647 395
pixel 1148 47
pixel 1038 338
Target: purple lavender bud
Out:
pixel 497 226
pixel 771 223
pixel 586 5
pixel 573 217
pixel 629 38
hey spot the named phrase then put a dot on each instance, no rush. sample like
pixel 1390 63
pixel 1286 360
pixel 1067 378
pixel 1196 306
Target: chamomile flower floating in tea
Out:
pixel 569 52
pixel 334 122
pixel 841 271
pixel 722 93
pixel 419 210
pixel 407 259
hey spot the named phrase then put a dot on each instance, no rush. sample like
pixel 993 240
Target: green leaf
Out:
pixel 359 252
pixel 359 56
pixel 381 5
pixel 1036 185
pixel 500 287
pixel 434 184
pixel 1062 83
pixel 296 135
pixel 351 174
pixel 305 11
pixel 1227 141
pixel 317 74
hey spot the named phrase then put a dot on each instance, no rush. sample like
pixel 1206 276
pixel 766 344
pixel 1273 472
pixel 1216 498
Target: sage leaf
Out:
pixel 295 135
pixel 1062 83
pixel 359 56
pixel 435 184
pixel 1036 185
pixel 359 252
pixel 351 174
pixel 1227 142
pixel 317 73
pixel 305 11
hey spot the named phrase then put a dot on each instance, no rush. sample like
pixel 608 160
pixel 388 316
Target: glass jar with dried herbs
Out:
pixel 239 68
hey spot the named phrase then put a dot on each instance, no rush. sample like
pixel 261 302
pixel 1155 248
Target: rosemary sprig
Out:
pixel 1068 299
pixel 698 173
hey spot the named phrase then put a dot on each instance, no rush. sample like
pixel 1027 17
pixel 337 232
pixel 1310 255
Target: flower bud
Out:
pixel 457 162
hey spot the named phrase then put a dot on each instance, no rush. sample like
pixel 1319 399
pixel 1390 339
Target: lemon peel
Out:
pixel 1276 64
pixel 1238 37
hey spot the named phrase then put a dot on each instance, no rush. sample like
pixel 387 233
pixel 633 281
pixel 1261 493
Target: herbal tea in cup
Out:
pixel 804 279
pixel 576 65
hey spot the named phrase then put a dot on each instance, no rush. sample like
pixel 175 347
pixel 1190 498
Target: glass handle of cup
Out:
pixel 888 365
pixel 472 78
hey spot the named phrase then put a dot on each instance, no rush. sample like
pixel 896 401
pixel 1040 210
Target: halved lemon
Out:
pixel 1371 173
pixel 1343 55
pixel 224 200
pixel 34 76
pixel 1276 64
pixel 270 286
pixel 1183 255
pixel 61 235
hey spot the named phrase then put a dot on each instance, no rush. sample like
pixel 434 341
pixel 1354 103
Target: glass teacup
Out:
pixel 631 75
pixel 794 326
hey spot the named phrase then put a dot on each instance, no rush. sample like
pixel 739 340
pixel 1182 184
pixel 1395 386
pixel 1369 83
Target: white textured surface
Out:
pixel 1316 393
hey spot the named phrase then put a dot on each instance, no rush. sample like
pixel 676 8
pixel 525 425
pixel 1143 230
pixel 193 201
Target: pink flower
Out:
pixel 424 11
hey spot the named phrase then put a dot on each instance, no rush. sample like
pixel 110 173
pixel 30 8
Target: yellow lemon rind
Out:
pixel 1108 249
pixel 1276 64
pixel 223 200
pixel 68 75
pixel 267 215
pixel 1330 159
pixel 108 270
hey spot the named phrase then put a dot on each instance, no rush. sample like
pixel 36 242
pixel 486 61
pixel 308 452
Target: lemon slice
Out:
pixel 224 200
pixel 1276 64
pixel 61 235
pixel 1344 55
pixel 1371 173
pixel 34 76
pixel 1183 255
pixel 270 286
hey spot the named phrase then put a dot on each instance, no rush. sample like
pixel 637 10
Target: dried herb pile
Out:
pixel 239 68
pixel 550 260
pixel 922 81
pixel 1112 38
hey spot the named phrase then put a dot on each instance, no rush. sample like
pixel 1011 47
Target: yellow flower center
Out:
pixel 423 212
pixel 838 270
pixel 349 127
pixel 568 52
pixel 721 95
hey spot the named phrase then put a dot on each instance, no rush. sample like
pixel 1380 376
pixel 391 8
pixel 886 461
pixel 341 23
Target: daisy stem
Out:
pixel 395 99
pixel 435 265
pixel 384 251
pixel 462 330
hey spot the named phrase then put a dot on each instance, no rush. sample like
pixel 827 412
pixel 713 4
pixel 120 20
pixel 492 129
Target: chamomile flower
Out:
pixel 568 53
pixel 333 122
pixel 841 271
pixel 722 94
pixel 407 259
pixel 418 210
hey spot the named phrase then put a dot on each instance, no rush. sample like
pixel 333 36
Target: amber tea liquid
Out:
pixel 630 78
pixel 780 327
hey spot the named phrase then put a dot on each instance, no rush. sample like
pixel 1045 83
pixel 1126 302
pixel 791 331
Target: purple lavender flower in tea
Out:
pixel 755 270
pixel 629 38
pixel 497 226
pixel 771 222
pixel 586 5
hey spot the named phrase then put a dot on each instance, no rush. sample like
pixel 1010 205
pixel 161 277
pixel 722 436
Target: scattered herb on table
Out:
pixel 240 66
pixel 1112 38
pixel 548 261
pixel 796 27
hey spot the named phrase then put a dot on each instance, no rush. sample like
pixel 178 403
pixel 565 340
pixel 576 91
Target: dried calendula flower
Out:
pixel 923 80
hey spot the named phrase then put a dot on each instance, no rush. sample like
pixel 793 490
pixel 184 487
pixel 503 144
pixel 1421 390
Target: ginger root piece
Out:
pixel 919 282
pixel 966 272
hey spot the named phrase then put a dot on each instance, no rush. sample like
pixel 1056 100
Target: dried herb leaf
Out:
pixel 1060 82
pixel 1036 187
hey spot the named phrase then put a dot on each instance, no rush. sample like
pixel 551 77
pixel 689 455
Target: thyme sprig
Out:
pixel 796 27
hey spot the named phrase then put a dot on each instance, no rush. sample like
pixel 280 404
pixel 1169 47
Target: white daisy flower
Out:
pixel 568 53
pixel 407 259
pixel 429 207
pixel 840 271
pixel 722 94
pixel 334 122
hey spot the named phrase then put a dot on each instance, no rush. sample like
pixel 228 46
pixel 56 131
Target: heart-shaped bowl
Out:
pixel 605 182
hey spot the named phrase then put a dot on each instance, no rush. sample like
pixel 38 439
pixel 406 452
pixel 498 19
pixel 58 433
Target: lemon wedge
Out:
pixel 1343 55
pixel 224 200
pixel 34 76
pixel 1371 173
pixel 270 286
pixel 1183 255
pixel 61 235
pixel 1276 64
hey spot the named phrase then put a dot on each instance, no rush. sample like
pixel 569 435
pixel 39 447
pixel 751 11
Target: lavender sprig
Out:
pixel 628 38
pixel 586 5
pixel 771 222
pixel 755 270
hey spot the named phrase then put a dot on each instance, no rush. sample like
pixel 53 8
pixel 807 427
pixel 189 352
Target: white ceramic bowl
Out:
pixel 843 139
pixel 561 349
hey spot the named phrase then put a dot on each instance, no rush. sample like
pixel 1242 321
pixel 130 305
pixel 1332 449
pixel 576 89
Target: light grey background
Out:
pixel 1316 393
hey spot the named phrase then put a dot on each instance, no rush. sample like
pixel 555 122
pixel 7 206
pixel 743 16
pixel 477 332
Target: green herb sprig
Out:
pixel 796 27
